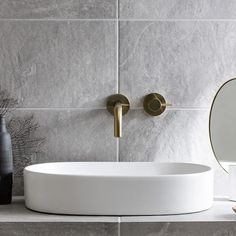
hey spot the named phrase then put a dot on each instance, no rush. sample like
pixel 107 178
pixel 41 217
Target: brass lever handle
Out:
pixel 155 104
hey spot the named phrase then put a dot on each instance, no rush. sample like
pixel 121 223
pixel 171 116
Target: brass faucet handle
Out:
pixel 125 105
pixel 167 104
pixel 115 99
pixel 155 104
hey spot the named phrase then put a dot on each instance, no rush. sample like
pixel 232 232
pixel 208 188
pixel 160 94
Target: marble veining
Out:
pixel 179 229
pixel 177 59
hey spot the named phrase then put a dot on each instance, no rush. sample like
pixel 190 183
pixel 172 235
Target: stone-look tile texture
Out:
pixel 185 61
pixel 71 135
pixel 177 9
pixel 53 9
pixel 58 63
pixel 175 136
pixel 59 229
pixel 179 229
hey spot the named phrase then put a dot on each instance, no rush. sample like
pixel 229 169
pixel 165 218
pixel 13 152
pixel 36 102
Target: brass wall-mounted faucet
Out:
pixel 118 105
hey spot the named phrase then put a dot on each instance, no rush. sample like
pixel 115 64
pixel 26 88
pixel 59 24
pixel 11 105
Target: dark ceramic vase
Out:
pixel 6 164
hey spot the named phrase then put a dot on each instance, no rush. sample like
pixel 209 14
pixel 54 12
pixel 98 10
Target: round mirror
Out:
pixel 223 124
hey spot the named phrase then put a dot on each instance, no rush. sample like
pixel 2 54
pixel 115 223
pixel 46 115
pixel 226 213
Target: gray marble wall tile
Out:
pixel 71 135
pixel 175 136
pixel 50 9
pixel 179 229
pixel 184 61
pixel 178 9
pixel 58 229
pixel 58 63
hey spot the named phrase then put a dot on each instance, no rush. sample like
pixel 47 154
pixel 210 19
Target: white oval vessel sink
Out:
pixel 118 188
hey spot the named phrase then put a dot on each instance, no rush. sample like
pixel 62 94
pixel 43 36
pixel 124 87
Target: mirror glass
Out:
pixel 223 124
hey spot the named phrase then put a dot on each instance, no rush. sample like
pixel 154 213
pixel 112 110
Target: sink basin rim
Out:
pixel 36 168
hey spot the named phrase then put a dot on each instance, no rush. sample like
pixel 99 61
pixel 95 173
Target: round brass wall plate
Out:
pixel 154 104
pixel 118 98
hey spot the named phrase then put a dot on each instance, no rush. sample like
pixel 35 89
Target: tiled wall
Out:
pixel 63 58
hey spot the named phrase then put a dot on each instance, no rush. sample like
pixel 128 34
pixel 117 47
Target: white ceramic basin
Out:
pixel 124 188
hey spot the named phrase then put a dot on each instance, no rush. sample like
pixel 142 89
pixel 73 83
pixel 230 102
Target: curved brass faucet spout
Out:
pixel 118 120
pixel 118 105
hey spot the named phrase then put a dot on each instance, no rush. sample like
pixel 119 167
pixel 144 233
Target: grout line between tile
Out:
pixel 56 108
pixel 117 150
pixel 118 48
pixel 118 69
pixel 176 20
pixel 96 108
pixel 188 109
pixel 115 19
pixel 117 9
pixel 69 19
pixel 176 108
pixel 118 55
pixel 119 223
